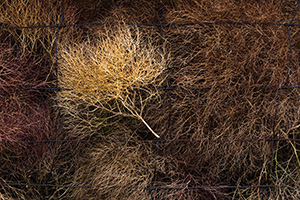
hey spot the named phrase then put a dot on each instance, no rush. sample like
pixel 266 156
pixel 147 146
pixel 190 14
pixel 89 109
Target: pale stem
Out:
pixel 148 126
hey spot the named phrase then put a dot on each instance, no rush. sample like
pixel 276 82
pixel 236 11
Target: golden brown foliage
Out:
pixel 24 13
pixel 117 171
pixel 104 73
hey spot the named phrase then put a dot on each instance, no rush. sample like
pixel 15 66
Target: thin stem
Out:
pixel 135 113
pixel 148 126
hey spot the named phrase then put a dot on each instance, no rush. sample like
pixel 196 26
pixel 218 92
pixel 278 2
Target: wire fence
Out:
pixel 274 139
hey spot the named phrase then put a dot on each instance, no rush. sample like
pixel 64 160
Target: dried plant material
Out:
pixel 23 121
pixel 24 13
pixel 117 171
pixel 182 11
pixel 24 118
pixel 142 11
pixel 227 79
pixel 223 94
pixel 19 69
pixel 109 71
pixel 9 193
